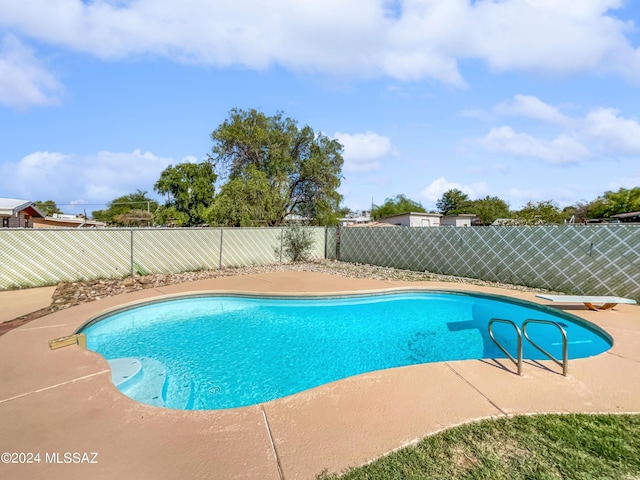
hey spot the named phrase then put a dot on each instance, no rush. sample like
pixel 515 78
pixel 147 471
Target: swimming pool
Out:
pixel 225 351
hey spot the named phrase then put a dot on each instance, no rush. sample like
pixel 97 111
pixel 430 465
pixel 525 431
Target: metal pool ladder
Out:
pixel 564 363
pixel 517 361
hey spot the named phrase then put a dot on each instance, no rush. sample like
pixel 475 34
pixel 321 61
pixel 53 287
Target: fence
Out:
pixel 587 260
pixel 37 257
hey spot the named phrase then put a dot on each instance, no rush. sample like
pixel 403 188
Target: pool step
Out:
pixel 179 391
pixel 146 380
pixel 125 371
pixel 150 385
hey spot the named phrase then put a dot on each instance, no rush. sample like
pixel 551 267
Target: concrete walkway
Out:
pixel 61 402
pixel 16 303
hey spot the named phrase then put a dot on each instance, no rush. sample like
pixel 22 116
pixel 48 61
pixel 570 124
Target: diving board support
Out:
pixel 595 308
pixel 517 361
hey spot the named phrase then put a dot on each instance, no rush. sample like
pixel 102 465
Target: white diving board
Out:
pixel 605 302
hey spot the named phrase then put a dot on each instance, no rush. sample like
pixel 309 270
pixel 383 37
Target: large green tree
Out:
pixel 488 209
pixel 454 201
pixel 539 213
pixel 189 188
pixel 303 168
pixel 396 205
pixel 612 203
pixel 245 201
pixel 118 210
pixel 48 207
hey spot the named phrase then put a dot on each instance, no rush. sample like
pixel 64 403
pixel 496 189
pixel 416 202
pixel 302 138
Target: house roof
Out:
pixel 626 215
pixel 369 225
pixel 69 222
pixel 14 204
pixel 11 207
pixel 416 214
pixel 460 215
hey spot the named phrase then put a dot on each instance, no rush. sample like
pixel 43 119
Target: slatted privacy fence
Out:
pixel 31 257
pixel 175 250
pixel 247 246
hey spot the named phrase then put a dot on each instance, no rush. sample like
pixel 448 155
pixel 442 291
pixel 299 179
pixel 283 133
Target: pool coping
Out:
pixel 63 401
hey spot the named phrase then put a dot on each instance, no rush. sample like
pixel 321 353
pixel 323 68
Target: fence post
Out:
pixel 220 260
pixel 326 227
pixel 132 268
pixel 281 237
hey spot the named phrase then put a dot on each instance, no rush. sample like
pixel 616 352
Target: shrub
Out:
pixel 297 242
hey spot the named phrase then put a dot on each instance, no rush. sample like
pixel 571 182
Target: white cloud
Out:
pixel 532 107
pixel 364 151
pixel 422 39
pixel 561 150
pixel 24 80
pixel 82 179
pixel 616 135
pixel 435 189
pixel 553 36
pixel 601 129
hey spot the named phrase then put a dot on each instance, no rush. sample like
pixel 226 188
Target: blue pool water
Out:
pixel 213 352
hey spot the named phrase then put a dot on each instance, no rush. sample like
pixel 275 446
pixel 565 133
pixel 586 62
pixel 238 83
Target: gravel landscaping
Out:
pixel 69 294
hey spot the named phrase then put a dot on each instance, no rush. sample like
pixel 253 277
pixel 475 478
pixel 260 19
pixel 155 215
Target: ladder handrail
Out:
pixel 518 361
pixel 564 363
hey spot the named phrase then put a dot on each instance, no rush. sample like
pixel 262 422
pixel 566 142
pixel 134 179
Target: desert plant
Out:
pixel 297 241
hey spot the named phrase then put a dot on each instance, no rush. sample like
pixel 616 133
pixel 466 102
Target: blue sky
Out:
pixel 523 99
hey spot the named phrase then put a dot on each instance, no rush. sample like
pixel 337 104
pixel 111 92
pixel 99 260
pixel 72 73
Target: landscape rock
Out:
pixel 69 294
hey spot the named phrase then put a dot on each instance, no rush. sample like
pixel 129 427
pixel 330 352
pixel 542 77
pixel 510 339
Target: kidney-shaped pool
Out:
pixel 221 351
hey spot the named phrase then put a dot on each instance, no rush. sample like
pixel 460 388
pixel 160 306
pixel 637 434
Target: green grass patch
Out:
pixel 541 447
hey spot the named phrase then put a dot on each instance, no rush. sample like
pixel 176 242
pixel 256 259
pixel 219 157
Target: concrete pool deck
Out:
pixel 16 303
pixel 62 401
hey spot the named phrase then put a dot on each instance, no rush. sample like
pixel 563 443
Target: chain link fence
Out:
pixel 583 260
